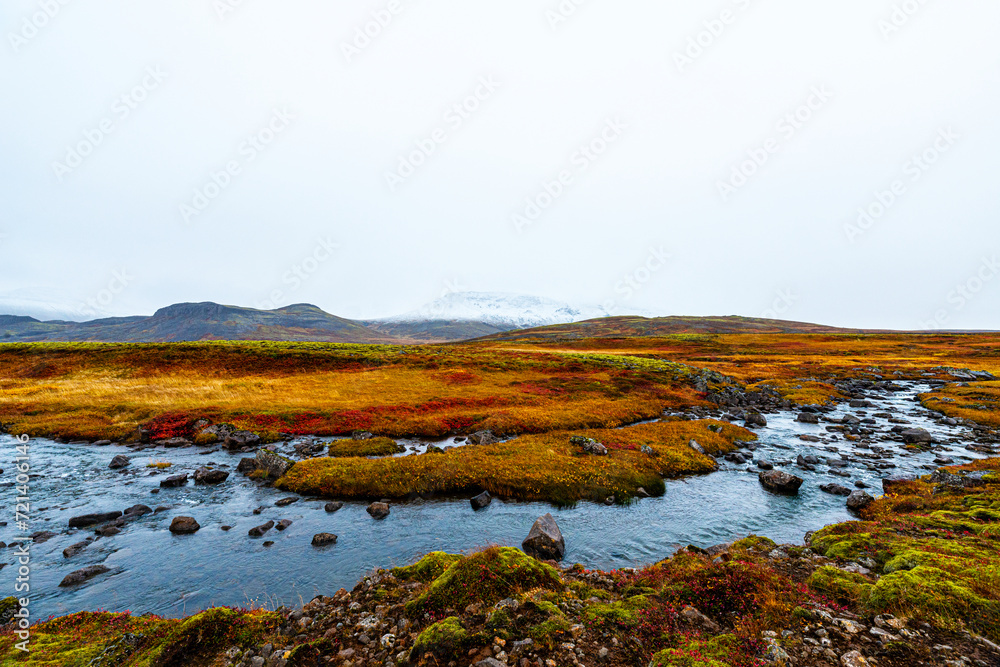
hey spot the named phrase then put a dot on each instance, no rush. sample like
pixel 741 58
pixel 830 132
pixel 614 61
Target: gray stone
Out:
pixel 481 501
pixel 859 500
pixel 378 510
pixel 80 576
pixel 780 482
pixel 835 489
pixel 545 540
pixel 119 461
pixel 333 507
pixel 913 436
pixel 175 481
pixel 210 476
pixel 274 465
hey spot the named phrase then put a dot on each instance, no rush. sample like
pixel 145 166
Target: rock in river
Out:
pixel 545 540
pixel 210 476
pixel 755 419
pixel 285 502
pixel 378 510
pixel 481 501
pixel 835 489
pixel 119 461
pixel 916 436
pixel 246 465
pixel 780 482
pixel 176 480
pixel 184 525
pixel 807 418
pixel 260 530
pixel 324 539
pixel 274 465
pixel 92 519
pixel 333 507
pixel 283 524
pixel 80 576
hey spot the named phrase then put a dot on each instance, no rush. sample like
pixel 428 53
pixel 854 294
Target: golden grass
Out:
pixel 531 467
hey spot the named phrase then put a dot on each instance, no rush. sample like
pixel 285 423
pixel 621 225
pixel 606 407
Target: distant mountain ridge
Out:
pixel 458 317
pixel 634 327
pixel 200 321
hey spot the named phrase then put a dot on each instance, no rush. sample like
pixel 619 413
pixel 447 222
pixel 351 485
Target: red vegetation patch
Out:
pixel 171 425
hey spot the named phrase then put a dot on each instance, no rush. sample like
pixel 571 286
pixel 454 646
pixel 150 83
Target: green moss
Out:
pixel 696 653
pixel 486 577
pixel 443 639
pixel 428 568
pixel 8 607
pixel 754 543
pixel 623 614
pixel 933 594
pixel 370 447
pixel 499 621
pixel 844 587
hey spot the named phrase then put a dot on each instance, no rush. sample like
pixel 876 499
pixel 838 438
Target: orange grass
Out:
pixel 97 391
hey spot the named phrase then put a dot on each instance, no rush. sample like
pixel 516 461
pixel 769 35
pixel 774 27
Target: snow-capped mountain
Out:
pixel 500 310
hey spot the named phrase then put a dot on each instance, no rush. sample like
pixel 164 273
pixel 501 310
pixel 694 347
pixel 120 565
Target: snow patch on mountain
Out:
pixel 506 311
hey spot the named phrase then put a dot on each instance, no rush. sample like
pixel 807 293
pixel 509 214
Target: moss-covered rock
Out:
pixel 428 568
pixel 485 577
pixel 443 639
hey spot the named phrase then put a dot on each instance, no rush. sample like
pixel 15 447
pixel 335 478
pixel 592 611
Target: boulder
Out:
pixel 274 465
pixel 102 443
pixel 283 524
pixel 780 482
pixel 835 489
pixel 285 502
pixel 74 549
pixel 481 501
pixel 589 445
pixel 324 539
pixel 80 576
pixel 483 438
pixel 260 530
pixel 693 444
pixel 333 507
pixel 755 419
pixel 175 481
pixel 545 540
pixel 246 465
pixel 119 461
pixel 210 476
pixel 241 440
pixel 765 465
pixel 93 519
pixel 137 511
pixel 108 531
pixel 183 525
pixel 174 443
pixel 378 510
pixel 914 436
pixel 859 500
pixel 807 418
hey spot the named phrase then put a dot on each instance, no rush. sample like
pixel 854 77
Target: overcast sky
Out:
pixel 263 153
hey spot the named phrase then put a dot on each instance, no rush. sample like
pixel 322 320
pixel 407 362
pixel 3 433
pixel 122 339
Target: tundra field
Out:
pixel 914 581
